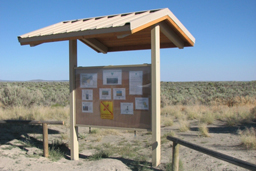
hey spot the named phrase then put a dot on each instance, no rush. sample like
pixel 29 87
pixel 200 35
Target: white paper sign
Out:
pixel 119 93
pixel 87 94
pixel 87 107
pixel 141 103
pixel 135 82
pixel 88 80
pixel 105 93
pixel 112 77
pixel 126 108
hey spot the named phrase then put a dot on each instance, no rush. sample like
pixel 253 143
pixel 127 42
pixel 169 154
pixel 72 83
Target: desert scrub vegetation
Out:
pixel 232 102
pixel 34 100
pixel 29 94
pixel 172 93
pixel 208 93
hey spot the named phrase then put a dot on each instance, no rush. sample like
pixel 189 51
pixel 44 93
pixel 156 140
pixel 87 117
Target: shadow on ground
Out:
pixel 227 129
pixel 23 133
pixel 132 164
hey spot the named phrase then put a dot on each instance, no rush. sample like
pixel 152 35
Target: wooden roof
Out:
pixel 121 32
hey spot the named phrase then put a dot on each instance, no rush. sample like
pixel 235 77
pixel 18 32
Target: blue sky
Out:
pixel 225 48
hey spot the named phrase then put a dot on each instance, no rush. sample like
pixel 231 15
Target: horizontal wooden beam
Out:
pixel 215 154
pixel 95 44
pixel 171 35
pixel 138 47
pixel 31 122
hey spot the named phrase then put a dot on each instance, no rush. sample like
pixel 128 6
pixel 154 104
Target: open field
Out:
pixel 217 115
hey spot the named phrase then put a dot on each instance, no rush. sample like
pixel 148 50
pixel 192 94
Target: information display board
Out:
pixel 114 96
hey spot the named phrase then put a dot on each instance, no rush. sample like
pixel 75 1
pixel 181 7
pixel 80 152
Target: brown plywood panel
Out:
pixel 140 119
pixel 137 41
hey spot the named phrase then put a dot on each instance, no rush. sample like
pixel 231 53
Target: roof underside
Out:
pixel 129 31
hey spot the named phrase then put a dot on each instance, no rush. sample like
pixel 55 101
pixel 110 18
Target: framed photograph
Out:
pixel 119 93
pixel 105 93
pixel 112 77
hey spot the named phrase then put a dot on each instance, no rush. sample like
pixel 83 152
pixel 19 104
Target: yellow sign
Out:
pixel 106 110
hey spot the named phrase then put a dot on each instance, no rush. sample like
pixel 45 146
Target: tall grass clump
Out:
pixel 184 125
pixel 55 152
pixel 203 130
pixel 208 117
pixel 167 121
pixel 248 138
pixel 99 155
pixel 236 114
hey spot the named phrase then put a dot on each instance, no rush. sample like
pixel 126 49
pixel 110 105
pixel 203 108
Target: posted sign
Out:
pixel 106 110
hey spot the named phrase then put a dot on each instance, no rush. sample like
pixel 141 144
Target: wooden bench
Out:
pixel 45 129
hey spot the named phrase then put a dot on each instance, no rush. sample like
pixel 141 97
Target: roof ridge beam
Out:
pixel 95 44
pixel 171 35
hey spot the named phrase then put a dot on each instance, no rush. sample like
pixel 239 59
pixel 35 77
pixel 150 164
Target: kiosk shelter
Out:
pixel 152 29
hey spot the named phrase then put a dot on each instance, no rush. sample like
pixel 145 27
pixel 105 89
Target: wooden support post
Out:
pixel 175 157
pixel 45 140
pixel 90 130
pixel 73 129
pixel 155 94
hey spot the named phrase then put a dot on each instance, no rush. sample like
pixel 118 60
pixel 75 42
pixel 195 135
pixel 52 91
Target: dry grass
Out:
pixel 208 114
pixel 103 132
pixel 166 121
pixel 208 117
pixel 248 138
pixel 203 130
pixel 35 113
pixel 184 125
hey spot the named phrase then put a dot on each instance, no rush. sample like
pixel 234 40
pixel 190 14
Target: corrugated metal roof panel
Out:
pixel 82 28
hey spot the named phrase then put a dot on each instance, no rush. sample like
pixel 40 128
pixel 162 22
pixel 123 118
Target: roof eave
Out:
pixel 114 31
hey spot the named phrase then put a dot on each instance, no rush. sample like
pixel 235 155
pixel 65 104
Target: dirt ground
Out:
pixel 21 148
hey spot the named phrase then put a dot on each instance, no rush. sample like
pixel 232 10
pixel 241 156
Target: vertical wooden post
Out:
pixel 155 94
pixel 175 157
pixel 73 129
pixel 45 140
